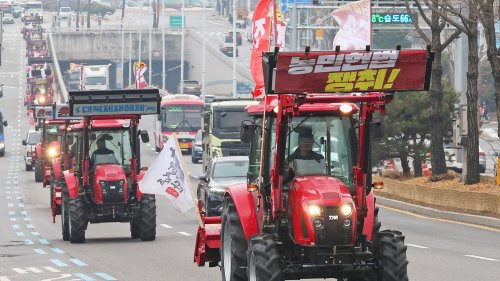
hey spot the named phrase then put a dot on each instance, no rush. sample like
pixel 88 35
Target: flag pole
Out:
pixel 179 152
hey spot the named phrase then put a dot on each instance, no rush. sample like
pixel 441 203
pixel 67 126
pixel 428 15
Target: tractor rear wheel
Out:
pixel 391 252
pixel 65 216
pixel 148 217
pixel 77 220
pixel 233 244
pixel 38 171
pixel 263 259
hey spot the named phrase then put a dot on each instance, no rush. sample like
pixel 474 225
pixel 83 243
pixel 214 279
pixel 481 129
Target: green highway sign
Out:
pixel 176 21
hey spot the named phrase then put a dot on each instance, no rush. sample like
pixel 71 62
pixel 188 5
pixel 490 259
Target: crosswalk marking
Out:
pixel 57 251
pixel 78 262
pixel 58 262
pixel 40 251
pixel 84 277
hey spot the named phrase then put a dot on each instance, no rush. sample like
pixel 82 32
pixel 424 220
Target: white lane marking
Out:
pixel 40 251
pixel 77 262
pixel 15 226
pixel 103 275
pixel 30 226
pixel 57 251
pixel 481 258
pixel 58 262
pixel 417 246
pixel 43 241
pixel 166 226
pixel 28 242
pixel 12 219
pixel 34 269
pixel 51 269
pixel 184 233
pixel 19 270
pixel 34 233
pixel 19 233
pixel 4 278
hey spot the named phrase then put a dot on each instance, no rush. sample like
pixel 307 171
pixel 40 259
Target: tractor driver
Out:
pixel 101 150
pixel 303 152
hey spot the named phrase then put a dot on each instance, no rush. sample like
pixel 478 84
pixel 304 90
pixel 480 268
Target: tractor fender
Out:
pixel 72 183
pixel 245 206
pixel 138 192
pixel 370 216
pixel 56 168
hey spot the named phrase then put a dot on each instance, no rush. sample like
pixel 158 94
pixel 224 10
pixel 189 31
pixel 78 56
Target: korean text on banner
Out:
pixel 349 71
pixel 167 177
pixel 261 29
pixel 355 29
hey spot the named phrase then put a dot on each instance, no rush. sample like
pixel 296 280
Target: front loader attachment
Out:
pixel 207 240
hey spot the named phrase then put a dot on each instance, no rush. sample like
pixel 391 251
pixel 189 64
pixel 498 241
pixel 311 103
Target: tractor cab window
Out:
pixel 255 153
pixel 321 145
pixel 110 147
pixel 51 133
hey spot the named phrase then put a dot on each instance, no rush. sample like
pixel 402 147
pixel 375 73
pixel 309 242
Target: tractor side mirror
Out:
pixel 5 124
pixel 377 130
pixel 24 142
pixel 247 130
pixel 144 136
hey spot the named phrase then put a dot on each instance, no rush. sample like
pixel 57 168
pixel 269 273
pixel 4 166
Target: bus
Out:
pixel 180 114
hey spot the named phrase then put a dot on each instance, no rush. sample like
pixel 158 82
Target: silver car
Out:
pixel 32 138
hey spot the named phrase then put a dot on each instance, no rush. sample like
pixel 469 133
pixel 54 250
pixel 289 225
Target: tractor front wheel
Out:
pixel 135 230
pixel 38 171
pixel 233 244
pixel 29 167
pixel 263 259
pixel 65 216
pixel 391 252
pixel 148 217
pixel 77 220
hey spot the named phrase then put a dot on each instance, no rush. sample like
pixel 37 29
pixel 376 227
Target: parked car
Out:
pixel 229 38
pixel 197 151
pixel 8 19
pixel 227 49
pixel 221 172
pixel 454 165
pixel 482 161
pixel 191 87
pixel 32 138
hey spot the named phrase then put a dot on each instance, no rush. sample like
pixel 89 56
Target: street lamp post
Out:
pixel 203 70
pixel 182 48
pixel 234 48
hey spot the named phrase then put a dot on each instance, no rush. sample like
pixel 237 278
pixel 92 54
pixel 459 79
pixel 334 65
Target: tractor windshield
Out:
pixel 110 147
pixel 322 145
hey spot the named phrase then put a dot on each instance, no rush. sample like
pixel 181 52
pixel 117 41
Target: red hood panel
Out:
pixel 328 190
pixel 109 172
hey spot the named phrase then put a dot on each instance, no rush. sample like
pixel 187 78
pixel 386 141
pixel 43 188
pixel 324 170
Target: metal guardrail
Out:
pixel 61 87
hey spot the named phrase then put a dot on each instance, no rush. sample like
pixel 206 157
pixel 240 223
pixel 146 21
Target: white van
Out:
pixel 65 13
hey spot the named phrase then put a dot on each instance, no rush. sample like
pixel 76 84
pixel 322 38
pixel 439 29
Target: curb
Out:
pixel 437 214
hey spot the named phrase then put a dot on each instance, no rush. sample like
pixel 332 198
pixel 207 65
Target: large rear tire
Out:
pixel 148 217
pixel 65 216
pixel 263 259
pixel 135 230
pixel 38 171
pixel 233 244
pixel 77 220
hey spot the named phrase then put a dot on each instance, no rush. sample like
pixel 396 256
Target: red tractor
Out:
pixel 308 208
pixel 103 184
pixel 39 89
pixel 48 149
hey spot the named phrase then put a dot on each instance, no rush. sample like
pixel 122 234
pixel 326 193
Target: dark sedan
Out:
pixel 221 172
pixel 229 38
pixel 227 49
pixel 8 19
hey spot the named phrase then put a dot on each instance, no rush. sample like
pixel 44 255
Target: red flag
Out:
pixel 261 29
pixel 354 20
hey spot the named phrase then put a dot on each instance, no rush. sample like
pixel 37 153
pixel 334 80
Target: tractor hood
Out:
pixel 110 184
pixel 323 189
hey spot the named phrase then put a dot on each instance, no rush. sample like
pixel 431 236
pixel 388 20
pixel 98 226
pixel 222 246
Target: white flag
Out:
pixel 167 177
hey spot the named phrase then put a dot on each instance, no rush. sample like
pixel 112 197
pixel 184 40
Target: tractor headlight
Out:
pixel 102 184
pixel 314 210
pixel 41 100
pixel 2 145
pixel 120 183
pixel 52 152
pixel 346 210
pixel 346 108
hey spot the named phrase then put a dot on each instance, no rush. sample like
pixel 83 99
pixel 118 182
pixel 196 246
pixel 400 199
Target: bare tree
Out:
pixel 78 15
pixel 465 18
pixel 487 18
pixel 437 24
pixel 88 15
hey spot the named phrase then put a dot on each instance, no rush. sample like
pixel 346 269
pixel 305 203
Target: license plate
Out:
pixel 184 145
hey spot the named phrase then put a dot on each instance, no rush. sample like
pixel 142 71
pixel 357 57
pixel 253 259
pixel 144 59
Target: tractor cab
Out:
pixel 102 186
pixel 308 208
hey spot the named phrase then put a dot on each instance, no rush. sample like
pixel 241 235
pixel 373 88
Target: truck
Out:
pixel 308 209
pixel 5 7
pixel 33 12
pixel 221 128
pixel 72 78
pixel 95 77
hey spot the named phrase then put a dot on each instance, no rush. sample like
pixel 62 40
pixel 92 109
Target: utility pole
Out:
pixel 234 48
pixel 203 53
pixel 182 47
pixel 163 72
pixel 150 56
pixel 130 65
pixel 140 30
